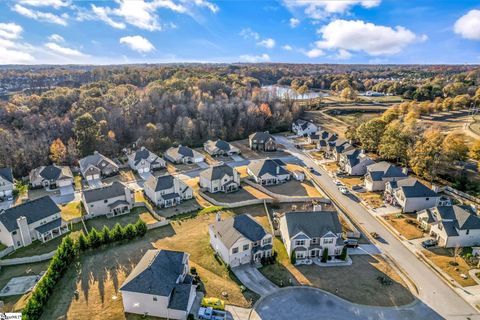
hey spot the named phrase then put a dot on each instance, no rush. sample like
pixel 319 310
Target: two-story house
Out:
pixel 183 154
pixel 378 174
pixel 326 140
pixel 111 200
pixel 160 286
pixel 7 183
pixel 268 171
pixel 304 128
pixel 263 141
pixel 220 148
pixel 51 177
pixel 337 147
pixel 39 219
pixel 240 240
pixel 410 194
pixel 167 191
pixel 307 234
pixel 354 162
pixel 452 226
pixel 96 166
pixel 143 160
pixel 220 178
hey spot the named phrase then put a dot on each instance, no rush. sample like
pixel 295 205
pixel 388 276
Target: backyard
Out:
pixel 132 217
pixel 405 224
pixel 71 210
pixel 246 193
pixel 295 188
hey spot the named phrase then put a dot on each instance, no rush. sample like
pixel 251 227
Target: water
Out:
pixel 287 92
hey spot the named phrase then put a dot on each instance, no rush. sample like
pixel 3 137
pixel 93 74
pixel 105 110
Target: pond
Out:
pixel 287 92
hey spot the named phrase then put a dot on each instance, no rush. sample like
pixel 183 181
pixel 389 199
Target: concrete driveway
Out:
pixel 237 158
pixel 203 165
pixel 254 280
pixel 308 303
pixel 364 249
pixel 67 190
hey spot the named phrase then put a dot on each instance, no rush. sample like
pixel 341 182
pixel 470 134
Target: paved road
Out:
pixel 432 290
pixel 308 303
pixel 254 280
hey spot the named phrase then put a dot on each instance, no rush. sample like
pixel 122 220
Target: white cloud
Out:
pixel 64 51
pixel 320 9
pixel 267 43
pixel 468 26
pixel 287 47
pixel 56 38
pixel 41 16
pixel 46 3
pixel 206 4
pixel 252 58
pixel 314 53
pixel 294 22
pixel 343 55
pixel 10 30
pixel 11 51
pixel 248 33
pixel 360 36
pixel 137 43
pixel 102 14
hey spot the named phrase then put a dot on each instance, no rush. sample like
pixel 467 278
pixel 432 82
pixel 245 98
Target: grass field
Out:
pixel 71 210
pixel 443 258
pixel 357 118
pixel 405 225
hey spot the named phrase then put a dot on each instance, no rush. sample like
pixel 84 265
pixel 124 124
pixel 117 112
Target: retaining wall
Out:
pixel 32 259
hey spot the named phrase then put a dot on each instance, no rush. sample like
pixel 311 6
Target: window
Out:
pixel 267 241
pixel 328 240
pixel 105 201
pixel 300 242
pixel 235 250
pixel 14 232
pixel 245 247
pixel 468 231
pixel 315 241
pixel 427 199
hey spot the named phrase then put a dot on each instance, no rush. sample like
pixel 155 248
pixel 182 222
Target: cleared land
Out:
pixel 406 225
pixel 71 210
pixel 246 193
pixel 295 188
pixel 444 259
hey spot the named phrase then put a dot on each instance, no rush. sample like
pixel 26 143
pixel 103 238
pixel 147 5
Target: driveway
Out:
pixel 254 280
pixel 364 249
pixel 310 303
pixel 237 158
pixel 203 165
pixel 67 190
pixel 145 175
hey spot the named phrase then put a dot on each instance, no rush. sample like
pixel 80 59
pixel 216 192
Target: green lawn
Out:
pixel 125 219
pixel 72 210
pixel 278 272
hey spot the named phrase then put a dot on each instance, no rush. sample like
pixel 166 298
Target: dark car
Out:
pixel 351 243
pixel 311 169
pixel 429 243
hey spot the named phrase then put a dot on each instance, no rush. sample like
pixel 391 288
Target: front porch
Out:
pixel 118 208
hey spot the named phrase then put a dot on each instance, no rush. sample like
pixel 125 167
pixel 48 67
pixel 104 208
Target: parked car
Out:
pixel 211 314
pixel 311 169
pixel 343 189
pixel 356 187
pixel 338 183
pixel 429 243
pixel 351 243
pixel 374 235
pixel 215 303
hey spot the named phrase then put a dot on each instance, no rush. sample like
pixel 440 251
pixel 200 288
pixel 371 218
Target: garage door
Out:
pixel 141 170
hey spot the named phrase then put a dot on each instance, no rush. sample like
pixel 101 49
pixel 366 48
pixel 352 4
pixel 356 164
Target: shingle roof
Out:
pixel 34 210
pixel 183 151
pixel 383 169
pixel 52 172
pixel 180 296
pixel 232 229
pixel 464 217
pixel 263 136
pixel 217 172
pixel 116 189
pixel 264 166
pixel 156 273
pixel 142 154
pixel 412 188
pixel 6 173
pixel 49 226
pixel 160 183
pixel 95 160
pixel 220 144
pixel 313 224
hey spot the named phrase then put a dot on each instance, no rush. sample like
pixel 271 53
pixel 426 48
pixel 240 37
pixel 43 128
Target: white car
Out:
pixel 343 189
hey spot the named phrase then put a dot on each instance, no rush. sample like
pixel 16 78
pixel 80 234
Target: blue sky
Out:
pixel 298 31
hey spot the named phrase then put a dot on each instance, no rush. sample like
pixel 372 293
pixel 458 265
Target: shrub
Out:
pixel 105 235
pixel 129 232
pixel 141 228
pixel 193 270
pixel 116 234
pixel 82 243
pixel 343 255
pixel 325 255
pixel 94 238
pixel 293 258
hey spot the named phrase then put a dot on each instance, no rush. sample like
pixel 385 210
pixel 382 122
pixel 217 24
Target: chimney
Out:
pixel 405 171
pixel 95 152
pixel 218 217
pixel 317 207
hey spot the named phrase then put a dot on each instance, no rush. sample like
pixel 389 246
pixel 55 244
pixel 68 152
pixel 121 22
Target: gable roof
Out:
pixel 116 189
pixel 219 144
pixel 412 188
pixel 95 159
pixel 217 172
pixel 313 224
pixel 264 166
pixel 355 156
pixel 156 273
pixel 142 154
pixel 52 172
pixel 383 169
pixel 463 217
pixel 303 124
pixel 34 210
pixel 6 173
pixel 160 183
pixel 262 136
pixel 229 231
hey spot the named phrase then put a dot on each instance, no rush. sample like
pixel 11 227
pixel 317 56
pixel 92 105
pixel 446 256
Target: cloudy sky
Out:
pixel 301 31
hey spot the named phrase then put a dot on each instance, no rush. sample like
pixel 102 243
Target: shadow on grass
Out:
pixel 279 275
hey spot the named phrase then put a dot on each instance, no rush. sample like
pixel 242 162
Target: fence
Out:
pixel 234 204
pixel 452 191
pixel 6 251
pixel 32 259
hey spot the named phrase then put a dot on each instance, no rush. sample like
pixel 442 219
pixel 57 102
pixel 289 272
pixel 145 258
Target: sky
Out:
pixel 227 31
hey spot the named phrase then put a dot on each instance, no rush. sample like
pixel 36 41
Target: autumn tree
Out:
pixel 348 94
pixel 427 157
pixel 58 152
pixel 455 147
pixel 370 133
pixel 86 130
pixel 394 143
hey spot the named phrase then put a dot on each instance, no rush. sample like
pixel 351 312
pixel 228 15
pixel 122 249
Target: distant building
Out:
pixel 220 148
pixel 167 190
pixel 182 154
pixel 51 177
pixel 112 200
pixel 7 183
pixel 411 195
pixel 220 178
pixel 262 141
pixel 304 128
pixel 379 174
pixel 268 171
pixel 240 240
pixel 96 166
pixel 143 160
pixel 160 286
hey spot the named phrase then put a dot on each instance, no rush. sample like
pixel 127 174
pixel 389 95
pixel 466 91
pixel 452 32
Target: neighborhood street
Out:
pixel 432 290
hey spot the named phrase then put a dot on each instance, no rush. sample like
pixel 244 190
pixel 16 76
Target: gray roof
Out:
pixel 217 172
pixel 412 188
pixel 49 226
pixel 341 145
pixel 34 210
pixel 96 160
pixel 182 151
pixel 383 169
pixel 264 166
pixel 156 273
pixel 449 227
pixel 6 173
pixel 313 224
pixel 142 154
pixel 303 124
pixel 232 229
pixel 464 217
pixel 180 296
pixel 52 172
pixel 160 183
pixel 262 136
pixel 116 189
pixel 118 203
pixel 220 144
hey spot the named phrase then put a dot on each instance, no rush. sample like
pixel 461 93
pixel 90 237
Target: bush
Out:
pixel 193 270
pixel 82 243
pixel 129 232
pixel 141 228
pixel 325 255
pixel 94 238
pixel 116 234
pixel 105 235
pixel 343 255
pixel 293 258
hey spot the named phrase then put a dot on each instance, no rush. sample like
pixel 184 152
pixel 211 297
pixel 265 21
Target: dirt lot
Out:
pixel 71 210
pixel 256 154
pixel 373 199
pixel 295 188
pixel 442 257
pixel 351 181
pixel 406 225
pixel 330 166
pixel 358 283
pixel 246 193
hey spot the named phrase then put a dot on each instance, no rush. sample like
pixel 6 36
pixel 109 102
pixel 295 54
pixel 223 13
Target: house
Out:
pixel 111 200
pixel 167 190
pixel 326 140
pixel 263 141
pixel 51 177
pixel 378 174
pixel 220 148
pixel 268 171
pixel 410 194
pixel 220 178
pixel 304 128
pixel 143 160
pixel 96 166
pixel 39 219
pixel 308 234
pixel 7 183
pixel 337 147
pixel 160 286
pixel 354 162
pixel 182 154
pixel 240 240
pixel 452 226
